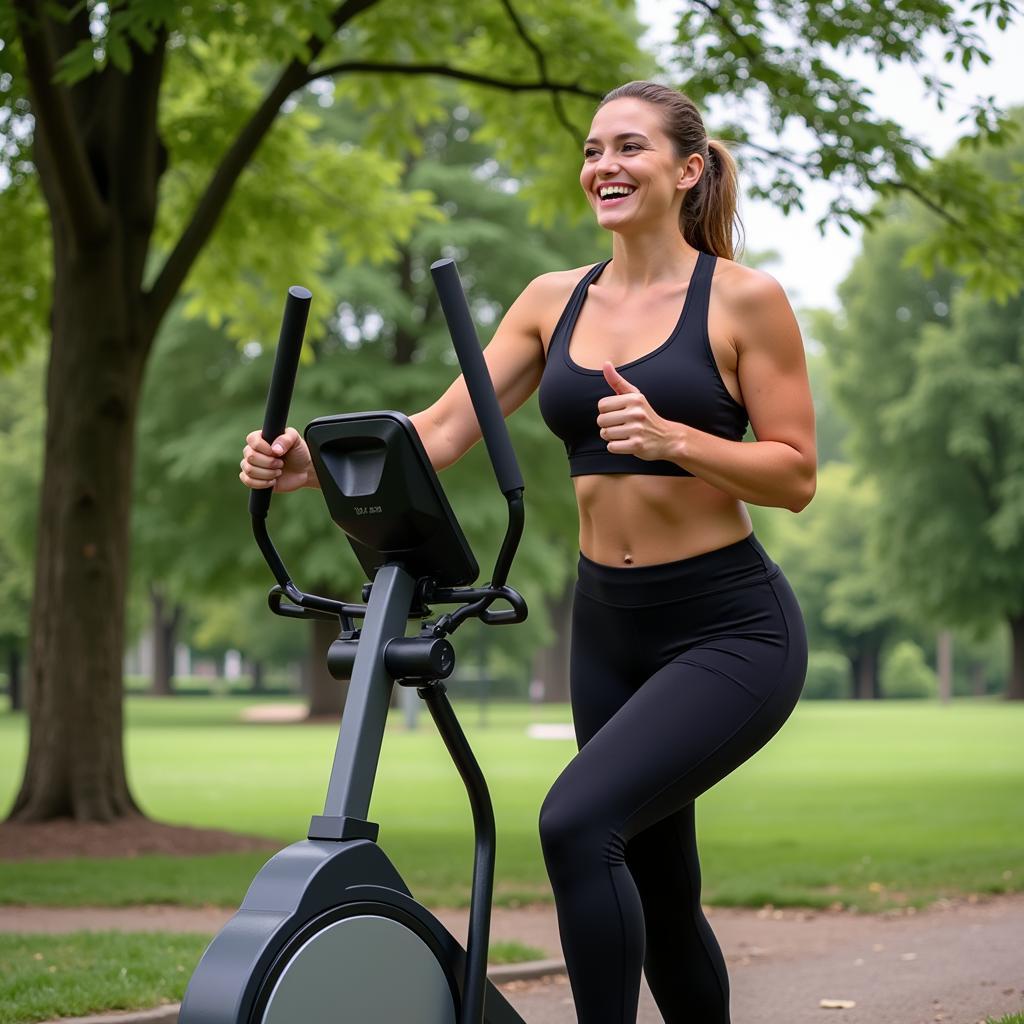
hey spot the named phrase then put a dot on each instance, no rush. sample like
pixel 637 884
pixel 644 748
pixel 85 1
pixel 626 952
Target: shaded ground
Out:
pixel 65 838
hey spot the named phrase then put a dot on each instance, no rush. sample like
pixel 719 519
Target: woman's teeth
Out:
pixel 615 197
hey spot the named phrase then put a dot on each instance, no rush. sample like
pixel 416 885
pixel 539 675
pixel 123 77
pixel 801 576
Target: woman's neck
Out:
pixel 642 261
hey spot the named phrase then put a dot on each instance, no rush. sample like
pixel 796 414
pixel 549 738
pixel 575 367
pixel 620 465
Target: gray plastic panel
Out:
pixel 368 969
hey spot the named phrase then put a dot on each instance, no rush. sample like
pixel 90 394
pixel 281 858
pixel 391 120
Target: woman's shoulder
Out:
pixel 751 308
pixel 549 293
pixel 555 282
pixel 746 289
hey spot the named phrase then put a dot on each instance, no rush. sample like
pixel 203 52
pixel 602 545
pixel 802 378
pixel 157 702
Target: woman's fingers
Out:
pixel 259 472
pixel 264 463
pixel 253 481
pixel 258 460
pixel 616 433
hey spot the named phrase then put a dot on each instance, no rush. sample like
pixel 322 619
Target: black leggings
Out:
pixel 679 672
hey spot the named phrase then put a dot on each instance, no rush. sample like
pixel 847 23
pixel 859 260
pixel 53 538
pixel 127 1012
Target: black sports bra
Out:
pixel 679 379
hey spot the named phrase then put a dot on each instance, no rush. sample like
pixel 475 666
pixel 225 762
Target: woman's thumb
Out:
pixel 281 444
pixel 617 382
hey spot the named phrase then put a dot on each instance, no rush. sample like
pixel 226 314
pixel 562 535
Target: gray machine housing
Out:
pixel 292 905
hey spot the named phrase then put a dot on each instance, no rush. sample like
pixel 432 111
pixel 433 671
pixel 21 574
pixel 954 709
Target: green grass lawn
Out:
pixel 869 804
pixel 45 976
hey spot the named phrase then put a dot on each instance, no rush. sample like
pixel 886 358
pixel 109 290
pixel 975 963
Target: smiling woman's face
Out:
pixel 627 146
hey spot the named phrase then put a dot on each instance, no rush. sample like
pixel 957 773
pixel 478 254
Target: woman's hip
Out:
pixel 637 619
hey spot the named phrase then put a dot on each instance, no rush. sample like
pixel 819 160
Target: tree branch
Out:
pixel 448 72
pixel 542 66
pixel 81 201
pixel 877 186
pixel 210 206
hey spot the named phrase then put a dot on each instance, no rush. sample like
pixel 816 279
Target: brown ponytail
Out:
pixel 708 214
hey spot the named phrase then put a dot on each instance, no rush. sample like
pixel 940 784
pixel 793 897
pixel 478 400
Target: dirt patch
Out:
pixel 278 713
pixel 64 838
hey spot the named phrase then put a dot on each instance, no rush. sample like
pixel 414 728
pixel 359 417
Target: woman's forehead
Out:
pixel 626 115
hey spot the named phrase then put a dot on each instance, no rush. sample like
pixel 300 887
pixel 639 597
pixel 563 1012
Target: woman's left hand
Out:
pixel 630 425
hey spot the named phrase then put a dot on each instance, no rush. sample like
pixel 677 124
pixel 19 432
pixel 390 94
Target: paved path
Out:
pixel 956 962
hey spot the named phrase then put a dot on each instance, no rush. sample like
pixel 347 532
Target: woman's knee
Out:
pixel 555 823
pixel 565 823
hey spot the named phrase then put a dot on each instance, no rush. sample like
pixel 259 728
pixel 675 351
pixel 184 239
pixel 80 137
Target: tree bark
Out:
pixel 865 673
pixel 165 631
pixel 75 763
pixel 14 678
pixel 978 679
pixel 944 665
pixel 551 663
pixel 1015 686
pixel 326 694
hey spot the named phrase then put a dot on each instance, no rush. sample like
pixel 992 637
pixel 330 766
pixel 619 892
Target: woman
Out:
pixel 688 646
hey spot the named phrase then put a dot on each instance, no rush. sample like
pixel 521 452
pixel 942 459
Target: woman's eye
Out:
pixel 587 152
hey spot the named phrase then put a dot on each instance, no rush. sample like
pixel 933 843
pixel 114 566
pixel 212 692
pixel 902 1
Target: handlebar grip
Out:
pixel 282 382
pixel 474 369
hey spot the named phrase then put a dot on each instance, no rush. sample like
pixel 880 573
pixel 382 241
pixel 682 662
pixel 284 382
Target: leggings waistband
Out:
pixel 735 565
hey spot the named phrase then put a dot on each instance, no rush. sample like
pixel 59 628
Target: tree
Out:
pixel 102 98
pixel 847 596
pixel 931 376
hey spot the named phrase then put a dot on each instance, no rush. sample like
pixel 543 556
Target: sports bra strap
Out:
pixel 703 272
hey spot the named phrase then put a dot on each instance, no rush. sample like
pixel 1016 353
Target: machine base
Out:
pixel 328 931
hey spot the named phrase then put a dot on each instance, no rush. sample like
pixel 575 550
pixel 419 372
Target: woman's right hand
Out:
pixel 283 464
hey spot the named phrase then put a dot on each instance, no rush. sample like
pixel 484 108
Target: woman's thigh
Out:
pixel 686 728
pixel 649 744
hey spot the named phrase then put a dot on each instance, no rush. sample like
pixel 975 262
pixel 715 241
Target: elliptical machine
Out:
pixel 328 933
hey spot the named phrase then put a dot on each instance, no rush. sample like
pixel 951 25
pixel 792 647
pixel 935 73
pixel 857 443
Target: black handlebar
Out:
pixel 493 430
pixel 478 380
pixel 279 398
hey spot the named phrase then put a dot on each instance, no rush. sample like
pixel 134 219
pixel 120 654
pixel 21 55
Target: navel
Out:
pixel 627 558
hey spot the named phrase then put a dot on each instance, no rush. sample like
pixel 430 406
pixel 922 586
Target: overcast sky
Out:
pixel 811 266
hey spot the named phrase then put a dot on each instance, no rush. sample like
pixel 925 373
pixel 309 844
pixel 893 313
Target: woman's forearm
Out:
pixel 433 438
pixel 762 472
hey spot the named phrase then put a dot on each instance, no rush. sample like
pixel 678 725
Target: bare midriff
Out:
pixel 629 519
pixel 633 519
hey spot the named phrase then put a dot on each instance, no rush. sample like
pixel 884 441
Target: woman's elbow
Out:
pixel 808 485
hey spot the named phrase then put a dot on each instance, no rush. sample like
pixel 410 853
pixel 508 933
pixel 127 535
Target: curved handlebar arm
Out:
pixel 312 606
pixel 282 382
pixel 485 403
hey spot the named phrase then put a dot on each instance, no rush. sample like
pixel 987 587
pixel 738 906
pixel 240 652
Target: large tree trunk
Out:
pixel 98 157
pixel 75 763
pixel 1015 687
pixel 165 631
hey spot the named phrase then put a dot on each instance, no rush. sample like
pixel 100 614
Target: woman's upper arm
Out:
pixel 772 366
pixel 515 362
